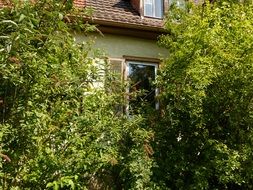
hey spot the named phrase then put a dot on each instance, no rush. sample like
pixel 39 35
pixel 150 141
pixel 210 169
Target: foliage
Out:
pixel 63 133
pixel 204 135
pixel 59 131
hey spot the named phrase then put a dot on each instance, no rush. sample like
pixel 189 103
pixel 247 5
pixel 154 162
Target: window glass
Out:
pixel 158 8
pixel 153 8
pixel 141 77
pixel 148 1
pixel 148 8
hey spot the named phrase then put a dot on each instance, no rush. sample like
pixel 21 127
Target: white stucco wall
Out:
pixel 118 45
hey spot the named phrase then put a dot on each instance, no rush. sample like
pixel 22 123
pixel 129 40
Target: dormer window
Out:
pixel 153 8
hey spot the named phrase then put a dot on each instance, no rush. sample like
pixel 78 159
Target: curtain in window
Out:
pixel 158 8
pixel 148 8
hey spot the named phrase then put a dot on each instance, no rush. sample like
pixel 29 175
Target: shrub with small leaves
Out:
pixel 204 134
pixel 58 129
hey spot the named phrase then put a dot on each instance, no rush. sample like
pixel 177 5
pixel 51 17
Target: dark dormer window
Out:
pixel 153 8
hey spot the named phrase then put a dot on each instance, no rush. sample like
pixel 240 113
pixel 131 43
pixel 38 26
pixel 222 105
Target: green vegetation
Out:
pixel 58 130
pixel 205 135
pixel 62 133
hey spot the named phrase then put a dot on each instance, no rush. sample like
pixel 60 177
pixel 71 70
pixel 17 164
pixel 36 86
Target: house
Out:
pixel 130 31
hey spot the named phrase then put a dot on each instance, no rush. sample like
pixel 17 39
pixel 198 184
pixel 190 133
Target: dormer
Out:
pixel 150 8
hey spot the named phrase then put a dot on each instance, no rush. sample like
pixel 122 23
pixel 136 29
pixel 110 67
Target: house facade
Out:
pixel 129 28
pixel 128 34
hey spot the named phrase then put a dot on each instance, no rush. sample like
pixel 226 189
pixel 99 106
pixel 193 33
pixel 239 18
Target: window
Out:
pixel 153 8
pixel 139 73
pixel 141 76
pixel 117 74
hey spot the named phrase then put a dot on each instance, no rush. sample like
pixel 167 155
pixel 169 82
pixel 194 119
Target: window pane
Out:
pixel 141 77
pixel 159 8
pixel 148 8
pixel 148 1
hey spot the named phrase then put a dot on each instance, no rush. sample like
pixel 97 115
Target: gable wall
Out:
pixel 118 45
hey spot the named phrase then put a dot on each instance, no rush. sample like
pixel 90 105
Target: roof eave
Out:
pixel 150 28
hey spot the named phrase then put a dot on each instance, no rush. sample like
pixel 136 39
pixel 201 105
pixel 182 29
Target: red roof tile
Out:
pixel 79 3
pixel 2 3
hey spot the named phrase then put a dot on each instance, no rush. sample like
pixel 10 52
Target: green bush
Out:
pixel 204 134
pixel 59 131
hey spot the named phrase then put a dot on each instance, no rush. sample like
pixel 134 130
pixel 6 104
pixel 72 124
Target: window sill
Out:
pixel 150 17
pixel 141 59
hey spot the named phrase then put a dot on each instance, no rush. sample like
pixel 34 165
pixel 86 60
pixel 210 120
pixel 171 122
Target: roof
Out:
pixel 118 13
pixel 79 3
pixel 121 12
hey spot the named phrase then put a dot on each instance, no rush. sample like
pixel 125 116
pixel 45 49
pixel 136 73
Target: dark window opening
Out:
pixel 141 90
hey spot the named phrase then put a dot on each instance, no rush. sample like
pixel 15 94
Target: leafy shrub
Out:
pixel 59 131
pixel 204 135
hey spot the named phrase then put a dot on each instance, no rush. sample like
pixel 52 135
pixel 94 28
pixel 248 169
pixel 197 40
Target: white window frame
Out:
pixel 153 4
pixel 127 63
